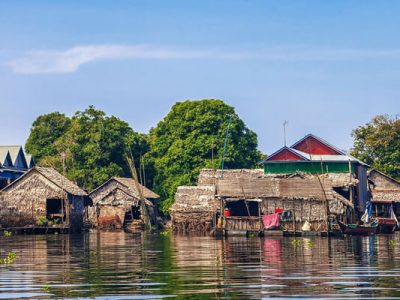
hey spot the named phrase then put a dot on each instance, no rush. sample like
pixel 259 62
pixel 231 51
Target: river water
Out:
pixel 117 265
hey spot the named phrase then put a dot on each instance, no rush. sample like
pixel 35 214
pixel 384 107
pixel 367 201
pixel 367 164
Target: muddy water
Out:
pixel 109 265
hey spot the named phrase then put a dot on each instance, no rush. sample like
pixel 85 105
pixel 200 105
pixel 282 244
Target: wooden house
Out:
pixel 42 194
pixel 116 204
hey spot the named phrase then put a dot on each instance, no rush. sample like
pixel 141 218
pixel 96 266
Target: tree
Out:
pixel 377 143
pixel 45 131
pixel 93 147
pixel 191 137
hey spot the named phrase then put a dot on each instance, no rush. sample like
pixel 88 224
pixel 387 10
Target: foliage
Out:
pixel 10 259
pixel 7 233
pixel 45 131
pixel 42 221
pixel 377 143
pixel 90 145
pixel 191 137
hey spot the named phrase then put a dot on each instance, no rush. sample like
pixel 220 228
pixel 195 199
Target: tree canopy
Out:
pixel 191 137
pixel 92 145
pixel 377 143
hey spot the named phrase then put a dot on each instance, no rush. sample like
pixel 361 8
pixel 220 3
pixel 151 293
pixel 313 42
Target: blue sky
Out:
pixel 325 66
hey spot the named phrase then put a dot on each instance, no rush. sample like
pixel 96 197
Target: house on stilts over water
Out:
pixel 43 197
pixel 117 204
pixel 309 185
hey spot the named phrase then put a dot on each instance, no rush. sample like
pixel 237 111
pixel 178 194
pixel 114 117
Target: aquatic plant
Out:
pixel 10 259
pixel 296 243
pixel 7 233
pixel 42 221
pixel 166 232
pixel 309 244
pixel 46 288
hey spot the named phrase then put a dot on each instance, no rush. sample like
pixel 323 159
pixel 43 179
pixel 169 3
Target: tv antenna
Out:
pixel 284 131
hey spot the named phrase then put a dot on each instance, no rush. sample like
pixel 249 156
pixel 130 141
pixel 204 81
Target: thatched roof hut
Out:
pixel 116 203
pixel 311 197
pixel 42 192
pixel 383 187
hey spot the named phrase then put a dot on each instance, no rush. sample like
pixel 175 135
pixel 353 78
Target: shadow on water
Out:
pixel 104 265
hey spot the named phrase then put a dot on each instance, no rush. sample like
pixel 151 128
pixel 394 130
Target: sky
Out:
pixel 326 67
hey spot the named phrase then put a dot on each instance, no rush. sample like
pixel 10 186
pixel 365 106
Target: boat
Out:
pixel 355 229
pixel 386 225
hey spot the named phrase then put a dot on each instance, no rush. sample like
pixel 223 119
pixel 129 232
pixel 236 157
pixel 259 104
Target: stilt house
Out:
pixel 42 193
pixel 385 193
pixel 116 204
pixel 313 155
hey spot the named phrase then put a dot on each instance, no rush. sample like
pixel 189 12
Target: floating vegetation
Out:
pixel 10 259
pixel 46 288
pixel 42 221
pixel 166 232
pixel 7 233
pixel 296 243
pixel 305 242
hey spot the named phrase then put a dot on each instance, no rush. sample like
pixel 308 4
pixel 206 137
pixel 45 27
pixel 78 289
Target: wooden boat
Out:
pixel 386 225
pixel 355 229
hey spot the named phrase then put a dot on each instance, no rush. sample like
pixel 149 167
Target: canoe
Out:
pixel 354 229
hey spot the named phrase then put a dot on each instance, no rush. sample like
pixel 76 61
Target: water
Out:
pixel 116 265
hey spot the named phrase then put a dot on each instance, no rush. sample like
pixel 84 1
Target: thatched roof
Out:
pixel 55 177
pixel 130 185
pixel 384 187
pixel 195 199
pixel 295 186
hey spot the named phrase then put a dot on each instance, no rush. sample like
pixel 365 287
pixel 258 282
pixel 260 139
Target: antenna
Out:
pixel 284 131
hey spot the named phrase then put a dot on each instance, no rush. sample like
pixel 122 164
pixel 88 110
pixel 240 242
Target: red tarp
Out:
pixel 271 221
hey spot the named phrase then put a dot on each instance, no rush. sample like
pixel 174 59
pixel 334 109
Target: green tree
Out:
pixel 45 131
pixel 377 143
pixel 93 148
pixel 191 137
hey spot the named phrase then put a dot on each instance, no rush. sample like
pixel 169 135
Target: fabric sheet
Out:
pixel 271 221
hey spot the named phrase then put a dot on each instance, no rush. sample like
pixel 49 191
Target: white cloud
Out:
pixel 68 61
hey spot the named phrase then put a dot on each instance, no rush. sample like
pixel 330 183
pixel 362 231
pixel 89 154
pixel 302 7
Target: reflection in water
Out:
pixel 117 265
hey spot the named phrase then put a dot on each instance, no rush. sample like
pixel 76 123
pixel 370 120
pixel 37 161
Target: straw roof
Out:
pixel 130 185
pixel 384 187
pixel 55 177
pixel 286 187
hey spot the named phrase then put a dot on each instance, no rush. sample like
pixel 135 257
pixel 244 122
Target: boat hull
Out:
pixel 358 229
pixel 386 225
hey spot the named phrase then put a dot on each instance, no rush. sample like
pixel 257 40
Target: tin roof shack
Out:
pixel 116 205
pixel 41 195
pixel 307 197
pixel 313 155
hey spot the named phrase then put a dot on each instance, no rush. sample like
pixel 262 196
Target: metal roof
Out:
pixel 320 140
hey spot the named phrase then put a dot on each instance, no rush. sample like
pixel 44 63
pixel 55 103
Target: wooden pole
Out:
pixel 142 200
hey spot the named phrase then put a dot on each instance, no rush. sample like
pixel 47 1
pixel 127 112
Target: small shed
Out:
pixel 42 194
pixel 116 204
pixel 385 191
